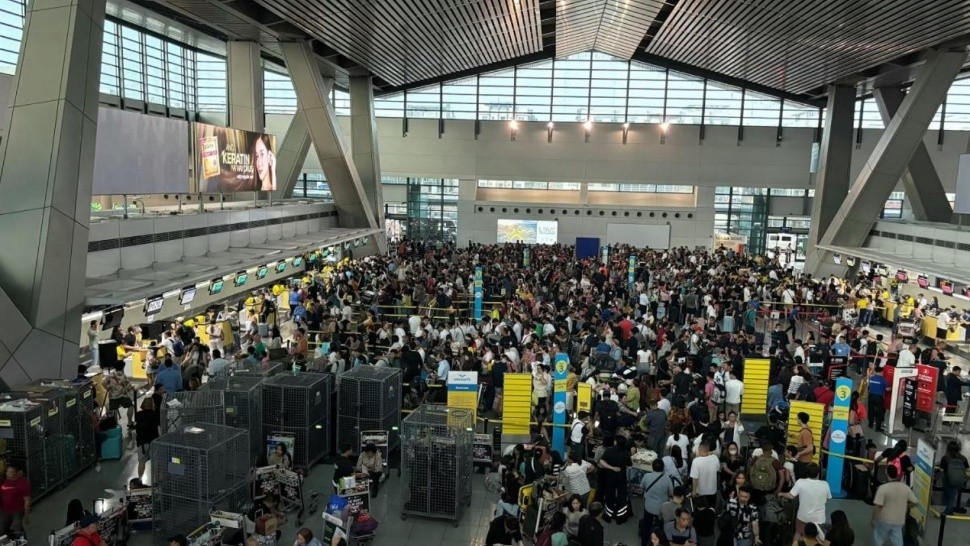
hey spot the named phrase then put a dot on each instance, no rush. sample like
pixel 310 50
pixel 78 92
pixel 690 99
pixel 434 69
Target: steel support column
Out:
pixel 244 75
pixel 363 135
pixel 291 155
pixel 835 160
pixel 353 208
pixel 922 184
pixel 46 171
pixel 890 158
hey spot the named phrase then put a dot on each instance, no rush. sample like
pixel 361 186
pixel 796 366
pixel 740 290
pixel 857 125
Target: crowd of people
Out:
pixel 662 345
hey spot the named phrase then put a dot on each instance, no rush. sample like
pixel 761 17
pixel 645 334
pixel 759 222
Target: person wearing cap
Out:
pixel 87 532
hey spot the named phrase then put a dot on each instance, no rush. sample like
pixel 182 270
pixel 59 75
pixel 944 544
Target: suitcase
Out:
pixel 111 444
pixel 859 482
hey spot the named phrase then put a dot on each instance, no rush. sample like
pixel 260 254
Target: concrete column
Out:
pixel 46 169
pixel 363 135
pixel 890 158
pixel 835 159
pixel 353 208
pixel 291 155
pixel 244 72
pixel 924 190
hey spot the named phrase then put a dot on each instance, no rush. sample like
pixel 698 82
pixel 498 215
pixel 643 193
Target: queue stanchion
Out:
pixel 939 535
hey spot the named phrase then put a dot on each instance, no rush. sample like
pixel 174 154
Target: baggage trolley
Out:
pixel 906 329
pixel 361 528
pixel 292 496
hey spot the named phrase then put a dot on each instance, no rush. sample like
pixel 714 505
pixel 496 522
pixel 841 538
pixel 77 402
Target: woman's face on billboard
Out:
pixel 262 160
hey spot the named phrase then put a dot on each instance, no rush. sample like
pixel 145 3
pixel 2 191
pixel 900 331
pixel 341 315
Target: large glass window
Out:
pixel 12 13
pixel 458 98
pixel 647 92
pixel 796 114
pixel 570 95
pixel 867 114
pixel 495 95
pixel 894 205
pixel 389 106
pixel 533 92
pixel 424 102
pixel 723 104
pixel 608 80
pixel 211 85
pixel 761 109
pixel 279 97
pixel 313 185
pixel 685 98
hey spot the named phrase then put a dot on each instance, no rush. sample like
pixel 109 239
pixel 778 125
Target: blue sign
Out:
pixel 838 436
pixel 630 270
pixel 559 375
pixel 479 292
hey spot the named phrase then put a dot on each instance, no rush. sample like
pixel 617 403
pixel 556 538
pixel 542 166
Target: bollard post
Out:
pixel 486 425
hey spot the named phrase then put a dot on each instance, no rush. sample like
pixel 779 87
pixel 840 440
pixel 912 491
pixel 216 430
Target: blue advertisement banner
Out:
pixel 838 436
pixel 559 375
pixel 479 292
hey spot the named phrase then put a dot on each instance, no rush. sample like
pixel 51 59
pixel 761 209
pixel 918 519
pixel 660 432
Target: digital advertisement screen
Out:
pixel 216 286
pixel 530 232
pixel 188 295
pixel 241 278
pixel 112 317
pixel 261 273
pixel 231 160
pixel 154 305
pixel 298 261
pixel 121 165
pixel 281 267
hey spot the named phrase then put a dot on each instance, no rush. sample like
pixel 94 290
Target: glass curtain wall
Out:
pixel 432 210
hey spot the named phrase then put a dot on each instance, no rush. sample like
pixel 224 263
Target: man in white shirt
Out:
pixel 733 389
pixel 703 474
pixel 645 361
pixel 414 323
pixel 812 494
pixel 218 365
pixel 907 358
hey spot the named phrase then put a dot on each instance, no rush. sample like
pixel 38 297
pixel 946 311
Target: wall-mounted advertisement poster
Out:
pixel 231 160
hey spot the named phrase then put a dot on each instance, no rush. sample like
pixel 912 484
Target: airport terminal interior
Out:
pixel 484 272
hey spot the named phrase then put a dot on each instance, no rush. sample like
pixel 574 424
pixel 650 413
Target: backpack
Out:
pixel 764 477
pixel 178 348
pixel 955 472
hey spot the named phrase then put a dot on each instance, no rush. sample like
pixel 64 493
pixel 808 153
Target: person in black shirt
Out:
pixel 613 484
pixel 590 528
pixel 146 431
pixel 344 466
pixel 411 362
pixel 504 530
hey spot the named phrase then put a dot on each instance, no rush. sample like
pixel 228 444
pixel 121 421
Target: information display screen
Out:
pixel 216 287
pixel 530 232
pixel 231 160
pixel 188 295
pixel 241 279
pixel 261 273
pixel 154 305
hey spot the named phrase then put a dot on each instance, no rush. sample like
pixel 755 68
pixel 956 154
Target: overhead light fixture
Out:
pixel 589 127
pixel 549 127
pixel 663 132
pixel 626 131
pixel 514 126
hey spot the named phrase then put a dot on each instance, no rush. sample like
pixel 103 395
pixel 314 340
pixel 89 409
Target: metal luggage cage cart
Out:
pixel 21 429
pixel 77 410
pixel 369 399
pixel 197 469
pixel 299 406
pixel 437 462
pixel 52 448
pixel 113 512
pixel 243 402
pixel 906 329
pixel 268 369
pixel 187 407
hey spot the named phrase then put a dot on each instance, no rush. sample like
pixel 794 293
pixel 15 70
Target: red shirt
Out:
pixel 824 395
pixel 82 539
pixel 12 494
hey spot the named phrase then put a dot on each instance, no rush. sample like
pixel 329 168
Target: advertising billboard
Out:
pixel 138 154
pixel 231 160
